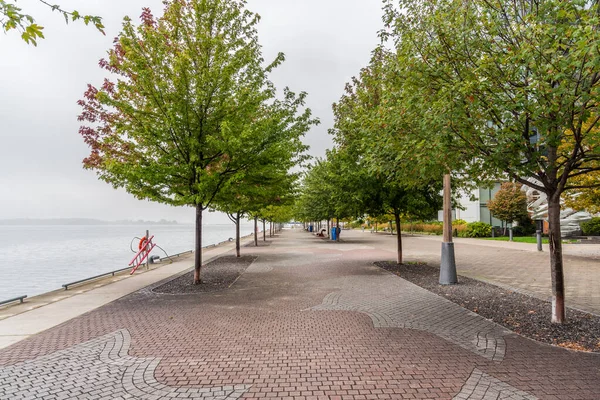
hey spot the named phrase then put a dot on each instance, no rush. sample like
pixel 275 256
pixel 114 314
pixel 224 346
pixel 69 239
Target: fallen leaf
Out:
pixel 573 346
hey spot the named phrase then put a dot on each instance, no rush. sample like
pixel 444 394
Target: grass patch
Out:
pixel 519 239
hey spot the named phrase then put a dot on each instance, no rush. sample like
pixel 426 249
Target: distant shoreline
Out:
pixel 78 222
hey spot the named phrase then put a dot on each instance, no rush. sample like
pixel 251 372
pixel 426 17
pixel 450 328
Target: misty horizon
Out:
pixel 325 43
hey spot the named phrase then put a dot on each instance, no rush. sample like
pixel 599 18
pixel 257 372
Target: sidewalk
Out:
pixel 517 266
pixel 309 319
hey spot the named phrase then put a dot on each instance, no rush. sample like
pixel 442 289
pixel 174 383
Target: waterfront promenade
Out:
pixel 309 319
pixel 518 266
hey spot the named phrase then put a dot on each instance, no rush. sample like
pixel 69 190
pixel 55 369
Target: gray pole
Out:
pixel 448 266
pixel 148 258
pixel 538 234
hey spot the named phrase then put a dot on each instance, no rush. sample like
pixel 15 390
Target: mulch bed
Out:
pixel 520 313
pixel 217 275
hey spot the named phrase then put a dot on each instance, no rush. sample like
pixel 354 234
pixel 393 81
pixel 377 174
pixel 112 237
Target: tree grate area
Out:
pixel 523 314
pixel 217 275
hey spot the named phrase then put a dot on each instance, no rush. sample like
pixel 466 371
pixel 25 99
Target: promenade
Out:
pixel 518 266
pixel 309 319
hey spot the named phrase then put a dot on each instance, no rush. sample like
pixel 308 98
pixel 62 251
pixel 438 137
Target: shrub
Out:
pixel 459 222
pixel 460 230
pixel 431 228
pixel 526 227
pixel 478 229
pixel 591 227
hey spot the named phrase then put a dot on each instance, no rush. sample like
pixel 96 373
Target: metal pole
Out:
pixel 538 234
pixel 147 258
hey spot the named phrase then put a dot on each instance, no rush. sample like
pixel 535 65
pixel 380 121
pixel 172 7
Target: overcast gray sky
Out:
pixel 326 42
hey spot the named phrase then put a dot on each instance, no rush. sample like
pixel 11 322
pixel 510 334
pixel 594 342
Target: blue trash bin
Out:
pixel 310 228
pixel 333 233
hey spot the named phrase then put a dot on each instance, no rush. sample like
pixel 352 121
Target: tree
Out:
pixel 256 191
pixel 191 106
pixel 268 181
pixel 14 18
pixel 315 201
pixel 387 183
pixel 585 195
pixel 510 203
pixel 511 82
pixel 585 199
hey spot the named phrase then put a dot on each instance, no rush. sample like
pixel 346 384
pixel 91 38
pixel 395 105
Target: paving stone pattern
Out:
pixel 308 320
pixel 481 386
pixel 98 369
pixel 396 303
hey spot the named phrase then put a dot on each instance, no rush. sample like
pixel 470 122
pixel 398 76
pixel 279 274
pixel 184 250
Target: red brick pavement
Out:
pixel 262 332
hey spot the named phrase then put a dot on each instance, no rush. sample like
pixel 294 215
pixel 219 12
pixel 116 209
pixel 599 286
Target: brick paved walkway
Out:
pixel 308 320
pixel 502 264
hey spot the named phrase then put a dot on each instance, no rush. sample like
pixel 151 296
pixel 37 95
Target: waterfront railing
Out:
pixel 113 273
pixel 66 286
pixel 13 300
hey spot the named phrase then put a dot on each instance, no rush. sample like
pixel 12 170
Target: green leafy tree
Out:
pixel 268 181
pixel 385 183
pixel 315 201
pixel 509 83
pixel 509 204
pixel 256 193
pixel 13 17
pixel 189 107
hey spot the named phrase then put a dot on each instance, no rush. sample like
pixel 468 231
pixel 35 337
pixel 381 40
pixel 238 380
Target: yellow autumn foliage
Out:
pixel 585 199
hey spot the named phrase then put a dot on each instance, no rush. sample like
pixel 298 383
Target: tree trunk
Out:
pixel 337 232
pixel 264 231
pixel 399 236
pixel 198 249
pixel 256 231
pixel 556 260
pixel 328 228
pixel 237 235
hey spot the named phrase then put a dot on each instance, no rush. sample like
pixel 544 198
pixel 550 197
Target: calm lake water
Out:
pixel 38 259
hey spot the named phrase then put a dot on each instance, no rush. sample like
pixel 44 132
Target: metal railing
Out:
pixel 20 299
pixel 178 254
pixel 66 285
